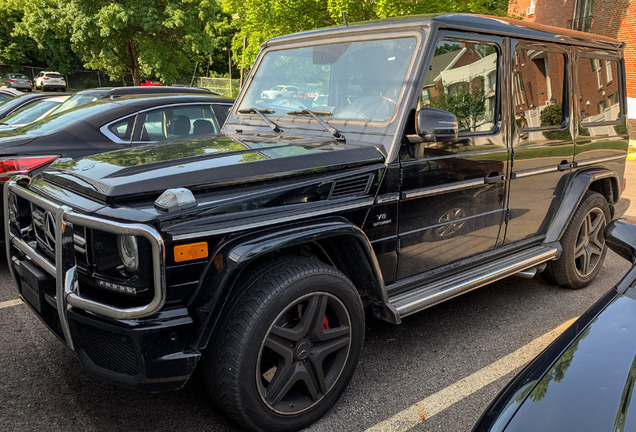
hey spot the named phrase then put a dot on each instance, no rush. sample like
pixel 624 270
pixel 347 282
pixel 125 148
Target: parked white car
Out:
pixel 50 81
pixel 279 91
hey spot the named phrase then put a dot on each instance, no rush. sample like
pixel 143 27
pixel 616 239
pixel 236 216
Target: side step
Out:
pixel 428 295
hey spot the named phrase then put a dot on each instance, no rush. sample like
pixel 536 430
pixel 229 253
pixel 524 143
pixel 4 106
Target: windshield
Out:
pixel 78 100
pixel 9 104
pixel 31 112
pixel 348 81
pixel 55 122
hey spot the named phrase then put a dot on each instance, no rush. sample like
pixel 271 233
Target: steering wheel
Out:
pixel 378 108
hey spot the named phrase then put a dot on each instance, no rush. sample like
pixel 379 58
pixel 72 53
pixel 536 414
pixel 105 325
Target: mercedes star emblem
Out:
pixel 49 229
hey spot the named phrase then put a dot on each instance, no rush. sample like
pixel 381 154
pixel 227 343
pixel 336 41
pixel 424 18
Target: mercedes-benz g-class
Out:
pixel 401 163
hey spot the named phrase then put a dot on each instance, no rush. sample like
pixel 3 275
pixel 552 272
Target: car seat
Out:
pixel 202 126
pixel 180 126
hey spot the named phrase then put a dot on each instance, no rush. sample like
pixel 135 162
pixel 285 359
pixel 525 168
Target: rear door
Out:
pixel 542 143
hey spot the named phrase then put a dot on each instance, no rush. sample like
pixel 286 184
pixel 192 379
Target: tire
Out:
pixel 583 243
pixel 287 346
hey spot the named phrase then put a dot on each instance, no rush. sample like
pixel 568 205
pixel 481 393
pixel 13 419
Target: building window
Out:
pixel 542 79
pixel 599 98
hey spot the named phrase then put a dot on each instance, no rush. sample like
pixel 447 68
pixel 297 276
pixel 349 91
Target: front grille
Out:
pixel 108 350
pixel 51 318
pixel 44 229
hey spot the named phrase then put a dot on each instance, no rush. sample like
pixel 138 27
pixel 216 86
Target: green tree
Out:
pixel 149 38
pixel 465 100
pixel 259 20
pixel 17 47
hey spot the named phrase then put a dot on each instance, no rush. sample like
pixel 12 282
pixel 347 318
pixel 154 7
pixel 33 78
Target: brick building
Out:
pixel 613 18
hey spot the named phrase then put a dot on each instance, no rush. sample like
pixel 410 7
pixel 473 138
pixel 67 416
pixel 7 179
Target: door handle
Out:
pixel 494 178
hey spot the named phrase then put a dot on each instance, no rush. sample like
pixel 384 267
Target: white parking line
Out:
pixel 438 402
pixel 6 304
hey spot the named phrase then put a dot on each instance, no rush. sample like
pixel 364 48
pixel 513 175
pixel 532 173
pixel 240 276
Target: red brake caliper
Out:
pixel 325 322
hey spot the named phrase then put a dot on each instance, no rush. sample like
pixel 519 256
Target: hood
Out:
pixel 590 386
pixel 213 162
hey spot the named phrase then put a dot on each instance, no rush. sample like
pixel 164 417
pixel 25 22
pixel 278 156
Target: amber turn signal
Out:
pixel 189 252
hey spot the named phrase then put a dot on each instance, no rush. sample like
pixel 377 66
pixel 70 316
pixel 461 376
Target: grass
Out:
pixel 631 153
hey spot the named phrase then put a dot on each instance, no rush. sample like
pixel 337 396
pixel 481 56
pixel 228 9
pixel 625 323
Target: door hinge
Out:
pixel 398 246
pixel 507 217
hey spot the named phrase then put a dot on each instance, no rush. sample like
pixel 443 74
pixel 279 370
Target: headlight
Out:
pixel 128 252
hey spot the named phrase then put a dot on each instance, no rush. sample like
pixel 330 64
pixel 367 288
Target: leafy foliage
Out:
pixel 467 102
pixel 259 20
pixel 552 115
pixel 18 47
pixel 165 39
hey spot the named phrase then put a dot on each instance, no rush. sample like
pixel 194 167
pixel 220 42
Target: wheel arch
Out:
pixel 332 240
pixel 603 181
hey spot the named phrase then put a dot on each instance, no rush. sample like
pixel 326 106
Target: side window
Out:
pixel 178 122
pixel 539 83
pixel 123 129
pixel 462 79
pixel 599 95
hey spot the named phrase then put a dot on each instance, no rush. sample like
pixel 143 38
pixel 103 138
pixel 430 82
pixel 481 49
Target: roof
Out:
pixel 478 23
pixel 132 90
pixel 170 98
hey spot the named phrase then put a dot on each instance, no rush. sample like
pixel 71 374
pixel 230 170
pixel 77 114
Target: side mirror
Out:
pixel 434 125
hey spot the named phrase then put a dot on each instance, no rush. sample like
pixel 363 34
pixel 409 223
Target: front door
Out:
pixel 453 193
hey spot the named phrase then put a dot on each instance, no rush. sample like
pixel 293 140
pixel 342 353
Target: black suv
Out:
pixel 432 156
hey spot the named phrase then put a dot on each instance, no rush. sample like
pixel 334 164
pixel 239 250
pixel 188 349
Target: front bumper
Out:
pixel 143 346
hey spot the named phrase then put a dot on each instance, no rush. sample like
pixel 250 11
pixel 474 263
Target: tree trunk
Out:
pixel 133 53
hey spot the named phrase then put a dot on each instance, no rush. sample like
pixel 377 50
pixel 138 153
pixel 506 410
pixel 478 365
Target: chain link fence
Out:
pixel 225 86
pixel 85 79
pixel 77 80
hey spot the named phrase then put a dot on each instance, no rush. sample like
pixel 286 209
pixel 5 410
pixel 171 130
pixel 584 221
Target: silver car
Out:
pixel 18 81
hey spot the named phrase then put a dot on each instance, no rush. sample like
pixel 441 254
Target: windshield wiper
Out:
pixel 332 130
pixel 260 112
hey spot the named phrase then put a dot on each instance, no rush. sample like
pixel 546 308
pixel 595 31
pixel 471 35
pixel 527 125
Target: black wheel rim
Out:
pixel 304 353
pixel 590 243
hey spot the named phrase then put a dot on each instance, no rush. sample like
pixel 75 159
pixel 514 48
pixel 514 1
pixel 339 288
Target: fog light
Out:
pixel 125 289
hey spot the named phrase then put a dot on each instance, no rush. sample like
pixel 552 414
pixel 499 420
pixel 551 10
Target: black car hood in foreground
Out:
pixel 584 381
pixel 599 367
pixel 217 161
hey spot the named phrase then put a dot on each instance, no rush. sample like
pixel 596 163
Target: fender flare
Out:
pixel 574 193
pixel 236 252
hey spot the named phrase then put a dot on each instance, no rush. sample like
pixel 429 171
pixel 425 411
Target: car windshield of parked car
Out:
pixel 18 76
pixel 77 101
pixel 30 113
pixel 10 104
pixel 344 81
pixel 53 123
